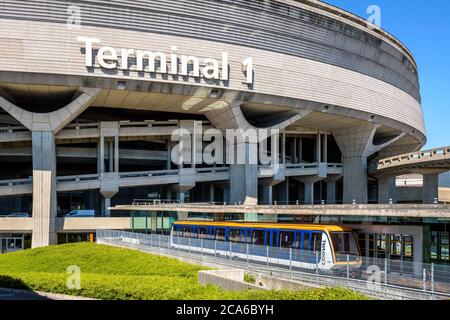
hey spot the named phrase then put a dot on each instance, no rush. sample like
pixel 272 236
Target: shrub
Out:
pixel 115 273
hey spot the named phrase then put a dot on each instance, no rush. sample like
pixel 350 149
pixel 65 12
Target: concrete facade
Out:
pixel 79 134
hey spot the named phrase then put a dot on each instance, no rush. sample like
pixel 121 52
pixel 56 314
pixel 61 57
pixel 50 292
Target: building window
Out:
pixel 440 246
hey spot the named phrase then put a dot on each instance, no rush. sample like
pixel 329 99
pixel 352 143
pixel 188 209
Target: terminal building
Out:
pixel 92 91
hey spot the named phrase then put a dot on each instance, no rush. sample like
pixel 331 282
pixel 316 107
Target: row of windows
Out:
pixel 303 240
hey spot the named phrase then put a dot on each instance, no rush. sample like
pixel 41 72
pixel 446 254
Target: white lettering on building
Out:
pixel 160 62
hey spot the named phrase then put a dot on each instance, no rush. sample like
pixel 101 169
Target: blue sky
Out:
pixel 424 27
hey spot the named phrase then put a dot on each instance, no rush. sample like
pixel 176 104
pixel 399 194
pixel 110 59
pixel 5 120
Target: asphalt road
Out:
pixel 5 295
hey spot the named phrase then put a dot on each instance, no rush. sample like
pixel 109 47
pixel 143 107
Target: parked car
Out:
pixel 18 215
pixel 80 213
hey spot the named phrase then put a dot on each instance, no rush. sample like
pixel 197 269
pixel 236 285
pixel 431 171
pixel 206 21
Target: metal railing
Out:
pixel 433 154
pixel 381 278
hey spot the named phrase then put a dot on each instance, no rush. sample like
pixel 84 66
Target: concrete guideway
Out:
pixel 407 210
pixel 84 224
pixel 423 162
pixel 429 163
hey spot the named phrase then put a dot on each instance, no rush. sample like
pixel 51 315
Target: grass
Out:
pixel 116 273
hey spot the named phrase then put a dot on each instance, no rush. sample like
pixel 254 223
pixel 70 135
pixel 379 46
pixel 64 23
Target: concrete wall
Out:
pixel 233 280
pixel 276 74
pixel 283 26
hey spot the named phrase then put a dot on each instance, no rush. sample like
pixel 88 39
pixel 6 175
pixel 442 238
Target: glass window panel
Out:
pixel 220 234
pixel 258 237
pixel 286 239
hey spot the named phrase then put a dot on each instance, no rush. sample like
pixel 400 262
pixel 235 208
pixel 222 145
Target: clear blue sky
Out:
pixel 424 27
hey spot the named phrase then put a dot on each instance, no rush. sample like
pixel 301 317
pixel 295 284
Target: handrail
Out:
pixel 437 152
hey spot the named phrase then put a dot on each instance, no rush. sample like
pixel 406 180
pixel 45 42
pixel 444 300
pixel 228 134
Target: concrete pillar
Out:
pixel 244 177
pixel 430 188
pixel 44 189
pixel 111 156
pixel 309 192
pixel 325 148
pixel 300 150
pixel 294 152
pixel 180 197
pixel 355 180
pixel 211 192
pixel 267 195
pixel 283 139
pixel 101 159
pixel 116 153
pixel 331 192
pixel 387 190
pixel 318 148
pixel 226 195
pixel 284 192
pixel 106 205
pixel 168 160
pixel 154 222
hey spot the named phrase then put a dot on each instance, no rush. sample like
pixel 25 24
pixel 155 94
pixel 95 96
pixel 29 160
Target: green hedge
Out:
pixel 115 273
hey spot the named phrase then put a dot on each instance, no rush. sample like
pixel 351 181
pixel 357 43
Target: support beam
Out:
pixel 355 180
pixel 244 177
pixel 387 191
pixel 44 189
pixel 309 193
pixel 430 188
pixel 267 195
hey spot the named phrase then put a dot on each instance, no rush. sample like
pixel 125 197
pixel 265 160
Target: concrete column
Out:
pixel 181 197
pixel 331 192
pixel 211 192
pixel 98 158
pixel 116 153
pixel 318 148
pixel 283 139
pixel 267 195
pixel 309 192
pixel 294 152
pixel 154 222
pixel 300 150
pixel 111 156
pixel 226 195
pixel 168 160
pixel 325 148
pixel 44 189
pixel 244 177
pixel 387 190
pixel 101 159
pixel 355 180
pixel 284 191
pixel 107 204
pixel 430 188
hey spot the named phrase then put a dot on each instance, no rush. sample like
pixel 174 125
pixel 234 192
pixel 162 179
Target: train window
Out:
pixel 344 243
pixel 234 235
pixel 202 233
pixel 258 237
pixel 220 234
pixel 187 232
pixel 178 231
pixel 286 239
pixel 306 241
pixel 296 243
pixel 245 235
pixel 317 238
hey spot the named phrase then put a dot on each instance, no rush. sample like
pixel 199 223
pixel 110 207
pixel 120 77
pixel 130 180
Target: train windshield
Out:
pixel 344 244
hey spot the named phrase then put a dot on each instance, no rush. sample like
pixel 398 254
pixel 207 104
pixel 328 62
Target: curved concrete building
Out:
pixel 91 91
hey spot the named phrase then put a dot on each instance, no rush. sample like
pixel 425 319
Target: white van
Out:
pixel 80 213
